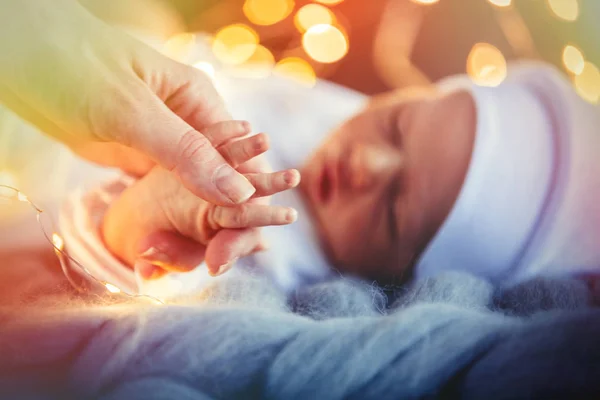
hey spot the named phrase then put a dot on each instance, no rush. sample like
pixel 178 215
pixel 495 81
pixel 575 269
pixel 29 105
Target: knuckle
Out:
pixel 241 216
pixel 247 150
pixel 215 216
pixel 190 147
pixel 210 224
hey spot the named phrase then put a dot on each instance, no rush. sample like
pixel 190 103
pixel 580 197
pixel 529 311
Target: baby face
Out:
pixel 383 183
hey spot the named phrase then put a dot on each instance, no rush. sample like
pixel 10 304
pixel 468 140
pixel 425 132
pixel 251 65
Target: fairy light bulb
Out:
pixel 58 242
pixel 22 197
pixel 325 43
pixel 267 12
pixel 486 65
pixel 567 10
pixel 311 15
pixel 234 44
pixel 112 288
pixel 573 59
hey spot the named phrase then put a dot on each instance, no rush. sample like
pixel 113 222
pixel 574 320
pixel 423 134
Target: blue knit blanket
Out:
pixel 451 336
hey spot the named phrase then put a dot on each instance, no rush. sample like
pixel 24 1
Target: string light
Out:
pixel 573 59
pixel 234 44
pixel 311 15
pixel 22 198
pixel 587 83
pixel 486 65
pixel 57 242
pixel 500 3
pixel 297 69
pixel 325 43
pixel 565 9
pixel 179 46
pixel 267 12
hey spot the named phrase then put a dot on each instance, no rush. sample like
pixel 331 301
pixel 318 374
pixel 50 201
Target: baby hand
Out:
pixel 157 225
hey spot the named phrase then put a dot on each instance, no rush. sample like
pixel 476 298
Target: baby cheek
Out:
pixel 348 242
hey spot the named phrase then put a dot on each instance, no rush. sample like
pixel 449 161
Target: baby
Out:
pixel 500 182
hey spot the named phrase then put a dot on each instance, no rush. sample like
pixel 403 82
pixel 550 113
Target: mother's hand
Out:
pixel 112 99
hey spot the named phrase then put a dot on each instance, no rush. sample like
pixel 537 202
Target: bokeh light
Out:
pixel 259 64
pixel 297 69
pixel 311 15
pixel 500 3
pixel 486 65
pixel 207 68
pixel 573 59
pixel 112 288
pixel 329 2
pixel 325 43
pixel 565 9
pixel 587 83
pixel 267 12
pixel 234 44
pixel 425 1
pixel 58 241
pixel 179 46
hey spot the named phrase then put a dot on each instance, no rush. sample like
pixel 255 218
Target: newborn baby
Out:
pixel 501 182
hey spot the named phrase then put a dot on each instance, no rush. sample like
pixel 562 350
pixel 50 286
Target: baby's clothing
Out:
pixel 281 109
pixel 530 203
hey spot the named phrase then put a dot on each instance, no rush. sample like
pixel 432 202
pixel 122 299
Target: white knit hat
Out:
pixel 505 189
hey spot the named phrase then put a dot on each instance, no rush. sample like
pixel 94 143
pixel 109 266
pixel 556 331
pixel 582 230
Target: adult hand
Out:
pixel 112 99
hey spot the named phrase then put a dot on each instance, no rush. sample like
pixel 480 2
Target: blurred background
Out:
pixel 371 46
pixel 376 45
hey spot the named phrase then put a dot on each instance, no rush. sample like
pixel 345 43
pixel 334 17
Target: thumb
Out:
pixel 188 153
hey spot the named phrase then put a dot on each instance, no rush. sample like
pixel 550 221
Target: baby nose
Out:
pixel 372 164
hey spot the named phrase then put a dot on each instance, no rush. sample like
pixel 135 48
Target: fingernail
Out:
pixel 224 268
pixel 261 143
pixel 147 270
pixel 232 184
pixel 291 215
pixel 291 178
pixel 155 256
